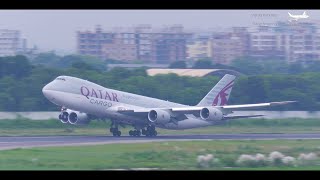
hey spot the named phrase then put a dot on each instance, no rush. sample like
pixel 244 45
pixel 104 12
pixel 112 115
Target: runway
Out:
pixel 38 141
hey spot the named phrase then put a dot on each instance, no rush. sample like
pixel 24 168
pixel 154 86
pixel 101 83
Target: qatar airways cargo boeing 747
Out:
pixel 82 100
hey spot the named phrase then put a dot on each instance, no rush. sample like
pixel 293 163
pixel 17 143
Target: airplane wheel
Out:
pixel 116 133
pixel 155 133
pixel 144 132
pixel 131 133
pixel 148 134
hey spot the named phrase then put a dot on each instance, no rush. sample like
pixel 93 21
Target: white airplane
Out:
pixel 82 101
pixel 297 17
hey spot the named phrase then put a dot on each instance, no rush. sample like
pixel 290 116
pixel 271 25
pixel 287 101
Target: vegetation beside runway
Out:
pixel 162 155
pixel 21 126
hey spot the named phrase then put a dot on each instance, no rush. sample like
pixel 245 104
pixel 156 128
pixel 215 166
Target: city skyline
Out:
pixel 56 29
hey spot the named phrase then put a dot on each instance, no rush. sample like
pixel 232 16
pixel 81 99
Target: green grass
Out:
pixel 19 127
pixel 162 155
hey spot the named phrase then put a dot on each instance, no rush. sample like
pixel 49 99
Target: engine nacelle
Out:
pixel 159 116
pixel 78 118
pixel 64 117
pixel 211 114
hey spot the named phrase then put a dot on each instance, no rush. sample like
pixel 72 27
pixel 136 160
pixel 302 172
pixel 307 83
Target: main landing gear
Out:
pixel 149 132
pixel 135 132
pixel 114 129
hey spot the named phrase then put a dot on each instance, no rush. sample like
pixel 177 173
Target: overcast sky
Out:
pixel 56 29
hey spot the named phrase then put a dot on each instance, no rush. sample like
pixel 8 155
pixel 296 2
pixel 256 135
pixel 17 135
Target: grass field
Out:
pixel 20 127
pixel 161 155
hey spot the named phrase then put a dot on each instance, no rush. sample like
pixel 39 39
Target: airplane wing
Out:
pixel 195 109
pixel 230 107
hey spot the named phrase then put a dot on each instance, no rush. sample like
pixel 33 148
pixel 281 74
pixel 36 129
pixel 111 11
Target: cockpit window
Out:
pixel 59 78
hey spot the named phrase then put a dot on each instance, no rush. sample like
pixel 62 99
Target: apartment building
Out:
pixel 291 42
pixel 123 47
pixel 266 45
pixel 90 43
pixel 161 46
pixel 200 48
pixel 227 46
pixel 138 43
pixel 10 42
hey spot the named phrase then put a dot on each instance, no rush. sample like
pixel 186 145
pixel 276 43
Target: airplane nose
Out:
pixel 45 90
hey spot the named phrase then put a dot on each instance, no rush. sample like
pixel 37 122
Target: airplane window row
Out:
pixel 61 79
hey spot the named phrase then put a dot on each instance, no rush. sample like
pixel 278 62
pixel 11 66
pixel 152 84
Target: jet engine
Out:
pixel 78 118
pixel 64 116
pixel 211 114
pixel 159 116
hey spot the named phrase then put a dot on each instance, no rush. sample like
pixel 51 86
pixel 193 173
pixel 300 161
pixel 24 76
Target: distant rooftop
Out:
pixel 133 66
pixel 193 72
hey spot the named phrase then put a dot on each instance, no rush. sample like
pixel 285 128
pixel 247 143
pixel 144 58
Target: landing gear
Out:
pixel 150 131
pixel 135 133
pixel 114 129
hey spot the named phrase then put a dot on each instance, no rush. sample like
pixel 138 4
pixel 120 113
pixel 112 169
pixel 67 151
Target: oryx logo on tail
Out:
pixel 220 93
pixel 223 96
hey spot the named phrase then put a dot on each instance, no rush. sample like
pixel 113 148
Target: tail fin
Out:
pixel 304 13
pixel 220 93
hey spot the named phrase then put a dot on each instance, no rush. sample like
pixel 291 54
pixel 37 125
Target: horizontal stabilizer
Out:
pixel 245 106
pixel 238 117
pixel 281 103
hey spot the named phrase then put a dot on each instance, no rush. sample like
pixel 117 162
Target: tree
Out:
pixel 81 65
pixel 313 66
pixel 295 68
pixel 256 89
pixel 247 65
pixel 203 64
pixel 67 61
pixel 17 66
pixel 178 65
pixel 46 58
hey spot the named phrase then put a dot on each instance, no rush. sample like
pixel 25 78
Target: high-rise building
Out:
pixel 170 45
pixel 291 42
pixel 90 43
pixel 123 47
pixel 200 47
pixel 267 45
pixel 10 42
pixel 138 43
pixel 227 46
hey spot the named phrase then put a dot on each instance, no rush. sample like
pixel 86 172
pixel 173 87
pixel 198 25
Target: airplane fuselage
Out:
pixel 85 96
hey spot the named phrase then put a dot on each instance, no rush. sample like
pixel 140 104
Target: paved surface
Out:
pixel 36 141
pixel 45 115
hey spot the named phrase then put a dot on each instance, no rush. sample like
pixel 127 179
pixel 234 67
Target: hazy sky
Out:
pixel 56 29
